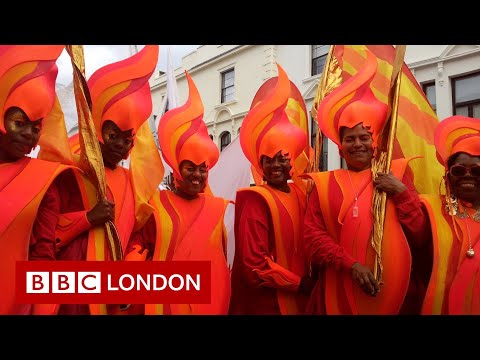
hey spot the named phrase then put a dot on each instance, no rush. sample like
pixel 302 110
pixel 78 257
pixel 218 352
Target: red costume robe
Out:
pixel 188 230
pixel 335 240
pixel 454 286
pixel 26 201
pixel 268 223
pixel 77 240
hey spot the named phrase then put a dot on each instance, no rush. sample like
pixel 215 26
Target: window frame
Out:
pixel 314 60
pixel 313 137
pixel 424 89
pixel 224 88
pixel 222 137
pixel 469 104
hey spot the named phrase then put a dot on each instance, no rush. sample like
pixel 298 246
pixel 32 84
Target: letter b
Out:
pixel 63 282
pixel 38 282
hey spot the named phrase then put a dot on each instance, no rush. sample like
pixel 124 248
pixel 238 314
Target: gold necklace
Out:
pixel 355 207
pixel 454 209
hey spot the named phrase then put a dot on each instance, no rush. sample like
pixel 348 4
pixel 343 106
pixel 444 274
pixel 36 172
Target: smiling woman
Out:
pixel 455 221
pixel 270 273
pixel 187 224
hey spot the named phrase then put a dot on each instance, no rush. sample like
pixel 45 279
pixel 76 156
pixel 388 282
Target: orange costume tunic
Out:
pixel 188 230
pixel 77 240
pixel 119 191
pixel 21 198
pixel 268 223
pixel 454 284
pixel 336 239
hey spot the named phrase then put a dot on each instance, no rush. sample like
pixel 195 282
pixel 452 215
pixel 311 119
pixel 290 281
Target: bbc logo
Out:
pixel 66 282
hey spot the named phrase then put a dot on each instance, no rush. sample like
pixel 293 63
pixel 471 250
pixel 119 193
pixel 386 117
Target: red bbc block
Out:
pixel 113 282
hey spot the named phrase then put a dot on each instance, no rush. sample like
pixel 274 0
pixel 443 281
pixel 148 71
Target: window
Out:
pixel 319 56
pixel 466 95
pixel 324 156
pixel 429 90
pixel 228 86
pixel 225 140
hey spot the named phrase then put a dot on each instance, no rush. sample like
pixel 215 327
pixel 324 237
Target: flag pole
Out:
pixel 384 160
pixel 91 160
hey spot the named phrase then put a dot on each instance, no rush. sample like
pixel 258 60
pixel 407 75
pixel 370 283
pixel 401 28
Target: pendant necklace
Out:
pixel 355 206
pixel 470 251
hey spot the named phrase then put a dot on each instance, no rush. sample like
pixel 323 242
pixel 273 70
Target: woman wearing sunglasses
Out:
pixel 454 286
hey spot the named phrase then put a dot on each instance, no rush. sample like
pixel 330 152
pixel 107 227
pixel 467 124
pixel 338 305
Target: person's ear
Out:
pixel 340 152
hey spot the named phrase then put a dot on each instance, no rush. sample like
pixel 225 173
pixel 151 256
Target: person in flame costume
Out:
pixel 30 114
pixel 270 274
pixel 121 105
pixel 455 221
pixel 188 222
pixel 339 221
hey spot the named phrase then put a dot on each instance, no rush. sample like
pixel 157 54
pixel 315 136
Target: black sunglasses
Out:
pixel 460 170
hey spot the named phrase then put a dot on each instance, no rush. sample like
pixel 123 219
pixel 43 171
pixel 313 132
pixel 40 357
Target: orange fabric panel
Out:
pixel 20 204
pixel 342 296
pixel 200 237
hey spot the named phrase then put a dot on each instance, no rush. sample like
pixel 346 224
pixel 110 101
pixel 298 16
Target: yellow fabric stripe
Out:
pixel 164 222
pixel 443 239
pixel 414 145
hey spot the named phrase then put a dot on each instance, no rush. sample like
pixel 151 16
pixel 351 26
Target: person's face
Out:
pixel 194 178
pixel 21 135
pixel 464 175
pixel 357 147
pixel 116 144
pixel 276 170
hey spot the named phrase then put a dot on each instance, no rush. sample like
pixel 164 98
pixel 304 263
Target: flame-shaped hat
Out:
pixel 353 103
pixel 120 91
pixel 183 135
pixel 276 122
pixel 457 134
pixel 27 79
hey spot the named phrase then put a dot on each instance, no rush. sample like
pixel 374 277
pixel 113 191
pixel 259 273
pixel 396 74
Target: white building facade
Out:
pixel 228 76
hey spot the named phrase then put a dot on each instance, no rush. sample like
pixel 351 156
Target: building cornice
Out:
pixel 232 116
pixel 442 57
pixel 162 80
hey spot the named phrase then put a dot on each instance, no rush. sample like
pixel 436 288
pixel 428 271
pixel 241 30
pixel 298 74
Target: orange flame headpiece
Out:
pixel 457 134
pixel 27 79
pixel 353 103
pixel 120 91
pixel 183 135
pixel 276 122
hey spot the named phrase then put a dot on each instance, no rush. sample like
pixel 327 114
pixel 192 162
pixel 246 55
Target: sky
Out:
pixel 97 56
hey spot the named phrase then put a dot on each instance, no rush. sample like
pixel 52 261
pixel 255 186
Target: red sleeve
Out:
pixel 70 226
pixel 253 239
pixel 320 246
pixel 145 238
pixel 412 215
pixel 42 242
